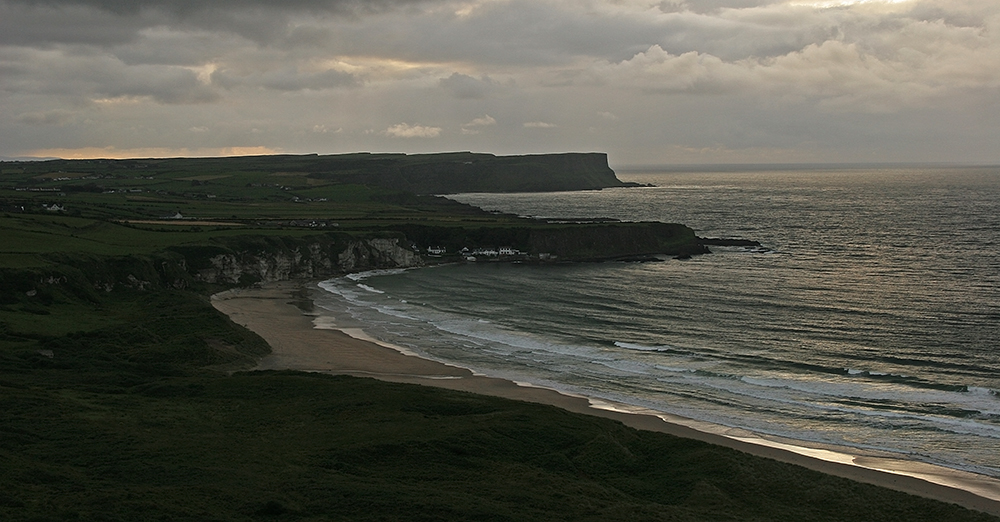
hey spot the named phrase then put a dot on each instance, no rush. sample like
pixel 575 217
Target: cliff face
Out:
pixel 242 263
pixel 577 242
pixel 264 266
pixel 249 260
pixel 309 261
pixel 376 253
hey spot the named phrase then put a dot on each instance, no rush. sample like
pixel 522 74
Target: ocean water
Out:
pixel 870 320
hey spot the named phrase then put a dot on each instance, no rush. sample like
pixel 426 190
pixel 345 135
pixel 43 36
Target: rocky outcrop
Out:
pixel 377 253
pixel 725 241
pixel 309 261
pixel 265 266
pixel 567 242
pixel 591 242
pixel 243 261
pixel 237 262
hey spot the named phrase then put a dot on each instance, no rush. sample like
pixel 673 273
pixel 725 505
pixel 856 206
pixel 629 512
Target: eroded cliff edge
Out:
pixel 247 260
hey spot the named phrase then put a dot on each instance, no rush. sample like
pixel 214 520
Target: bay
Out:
pixel 871 319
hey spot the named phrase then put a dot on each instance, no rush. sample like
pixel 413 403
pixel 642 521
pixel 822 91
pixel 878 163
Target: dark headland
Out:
pixel 124 395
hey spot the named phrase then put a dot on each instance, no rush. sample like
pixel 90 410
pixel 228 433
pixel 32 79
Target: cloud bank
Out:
pixel 669 81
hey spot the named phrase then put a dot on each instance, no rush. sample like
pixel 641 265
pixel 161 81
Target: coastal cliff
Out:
pixel 248 260
pixel 421 174
pixel 573 242
pixel 234 262
pixel 253 260
pixel 594 242
pixel 309 260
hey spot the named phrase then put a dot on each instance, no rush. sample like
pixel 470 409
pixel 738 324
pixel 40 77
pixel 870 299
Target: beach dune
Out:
pixel 298 343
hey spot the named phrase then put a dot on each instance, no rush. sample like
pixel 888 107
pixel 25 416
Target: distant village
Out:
pixel 486 253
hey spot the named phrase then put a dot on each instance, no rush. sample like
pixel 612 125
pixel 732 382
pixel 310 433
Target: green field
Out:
pixel 130 207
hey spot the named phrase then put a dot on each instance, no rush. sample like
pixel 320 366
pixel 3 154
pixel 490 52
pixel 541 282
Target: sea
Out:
pixel 868 320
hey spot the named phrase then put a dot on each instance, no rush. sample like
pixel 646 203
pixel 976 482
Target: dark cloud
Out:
pixel 467 87
pixel 95 77
pixel 53 117
pixel 99 22
pixel 175 48
pixel 164 85
pixel 188 7
pixel 24 26
pixel 286 79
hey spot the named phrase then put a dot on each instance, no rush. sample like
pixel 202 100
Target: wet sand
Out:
pixel 275 312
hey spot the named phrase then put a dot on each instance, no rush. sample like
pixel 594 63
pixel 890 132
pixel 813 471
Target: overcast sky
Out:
pixel 674 81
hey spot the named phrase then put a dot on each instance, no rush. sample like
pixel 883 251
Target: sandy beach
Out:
pixel 275 313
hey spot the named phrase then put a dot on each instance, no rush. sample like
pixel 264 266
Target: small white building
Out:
pixel 436 250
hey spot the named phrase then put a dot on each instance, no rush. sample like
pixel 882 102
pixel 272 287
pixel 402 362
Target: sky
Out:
pixel 648 82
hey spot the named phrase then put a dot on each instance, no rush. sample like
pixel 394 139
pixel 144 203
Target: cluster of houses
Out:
pixel 484 252
pixel 492 252
pixel 309 223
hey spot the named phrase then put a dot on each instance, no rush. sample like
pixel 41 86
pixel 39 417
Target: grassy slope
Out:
pixel 293 446
pixel 307 447
pixel 221 198
pixel 116 406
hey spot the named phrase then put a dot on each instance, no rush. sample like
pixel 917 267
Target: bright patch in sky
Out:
pixel 826 4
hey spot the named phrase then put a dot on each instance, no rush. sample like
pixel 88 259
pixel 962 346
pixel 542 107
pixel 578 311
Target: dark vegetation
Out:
pixel 121 395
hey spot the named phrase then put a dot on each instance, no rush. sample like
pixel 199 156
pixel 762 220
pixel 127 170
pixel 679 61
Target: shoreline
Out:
pixel 276 313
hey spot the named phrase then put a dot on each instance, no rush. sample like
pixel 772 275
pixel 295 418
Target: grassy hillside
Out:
pixel 284 446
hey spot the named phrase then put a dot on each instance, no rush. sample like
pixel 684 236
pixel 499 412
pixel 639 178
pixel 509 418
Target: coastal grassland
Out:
pixel 40 239
pixel 258 176
pixel 239 190
pixel 119 339
pixel 291 446
pixel 331 202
